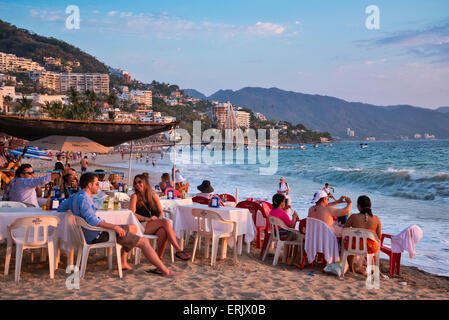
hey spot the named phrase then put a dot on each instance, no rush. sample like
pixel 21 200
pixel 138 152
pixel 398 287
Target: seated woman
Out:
pixel 278 212
pixel 114 180
pixel 146 206
pixel 165 182
pixel 279 205
pixel 205 188
pixel 70 183
pixel 180 186
pixel 364 220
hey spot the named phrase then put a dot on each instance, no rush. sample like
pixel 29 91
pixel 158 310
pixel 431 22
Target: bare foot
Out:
pixel 126 266
pixel 172 274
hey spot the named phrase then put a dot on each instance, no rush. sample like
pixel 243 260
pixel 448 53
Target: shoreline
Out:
pixel 245 281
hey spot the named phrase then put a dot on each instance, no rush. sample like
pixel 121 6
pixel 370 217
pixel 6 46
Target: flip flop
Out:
pixel 182 255
pixel 155 271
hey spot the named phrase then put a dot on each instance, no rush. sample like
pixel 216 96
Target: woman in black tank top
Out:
pixel 147 208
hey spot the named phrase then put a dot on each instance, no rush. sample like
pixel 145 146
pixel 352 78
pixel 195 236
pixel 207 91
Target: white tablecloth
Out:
pixel 185 221
pixel 8 215
pixel 110 216
pixel 173 203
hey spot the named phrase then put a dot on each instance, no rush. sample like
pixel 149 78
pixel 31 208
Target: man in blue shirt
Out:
pixel 81 204
pixel 23 187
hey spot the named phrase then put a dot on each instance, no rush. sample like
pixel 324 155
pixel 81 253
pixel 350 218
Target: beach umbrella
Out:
pixel 69 143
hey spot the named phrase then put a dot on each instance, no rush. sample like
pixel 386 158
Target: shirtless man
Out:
pixel 83 164
pixel 324 211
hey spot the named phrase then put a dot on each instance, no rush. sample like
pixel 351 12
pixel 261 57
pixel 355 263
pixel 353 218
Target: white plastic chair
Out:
pixel 320 239
pixel 275 225
pixel 205 219
pixel 76 225
pixel 354 235
pixel 12 204
pixel 153 239
pixel 41 236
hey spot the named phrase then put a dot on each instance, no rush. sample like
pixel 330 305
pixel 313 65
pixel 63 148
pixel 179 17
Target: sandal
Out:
pixel 182 255
pixel 155 271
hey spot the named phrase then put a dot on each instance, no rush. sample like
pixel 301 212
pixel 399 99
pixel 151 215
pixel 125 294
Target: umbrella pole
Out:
pixel 130 161
pixel 174 158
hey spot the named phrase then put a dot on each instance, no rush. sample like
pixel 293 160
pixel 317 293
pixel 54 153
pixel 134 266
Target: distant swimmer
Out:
pixel 327 188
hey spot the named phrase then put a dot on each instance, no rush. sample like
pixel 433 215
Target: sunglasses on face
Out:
pixel 30 173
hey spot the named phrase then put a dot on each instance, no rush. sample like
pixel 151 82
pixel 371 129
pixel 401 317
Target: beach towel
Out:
pixel 320 239
pixel 407 240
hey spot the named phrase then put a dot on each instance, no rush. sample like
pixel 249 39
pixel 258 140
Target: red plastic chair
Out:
pixel 395 258
pixel 228 197
pixel 176 192
pixel 200 200
pixel 254 207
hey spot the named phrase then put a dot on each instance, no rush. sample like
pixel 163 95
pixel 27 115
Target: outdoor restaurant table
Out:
pixel 245 225
pixel 8 215
pixel 173 203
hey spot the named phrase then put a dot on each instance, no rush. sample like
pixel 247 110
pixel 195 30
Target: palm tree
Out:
pixel 24 106
pixel 112 100
pixel 54 109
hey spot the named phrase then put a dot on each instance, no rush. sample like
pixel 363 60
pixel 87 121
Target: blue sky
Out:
pixel 317 47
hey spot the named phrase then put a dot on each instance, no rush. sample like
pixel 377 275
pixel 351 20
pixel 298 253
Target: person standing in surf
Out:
pixel 284 189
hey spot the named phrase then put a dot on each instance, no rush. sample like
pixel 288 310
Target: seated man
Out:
pixel 324 211
pixel 24 186
pixel 81 204
pixel 165 182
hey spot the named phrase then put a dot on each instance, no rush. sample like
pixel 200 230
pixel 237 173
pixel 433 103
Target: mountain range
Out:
pixel 325 113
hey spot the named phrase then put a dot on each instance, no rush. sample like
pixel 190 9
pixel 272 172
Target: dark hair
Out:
pixel 59 166
pixel 100 175
pixel 326 184
pixel 65 177
pixel 165 176
pixel 21 169
pixel 277 200
pixel 87 178
pixel 365 205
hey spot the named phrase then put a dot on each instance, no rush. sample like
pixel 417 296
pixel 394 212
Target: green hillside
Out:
pixel 25 44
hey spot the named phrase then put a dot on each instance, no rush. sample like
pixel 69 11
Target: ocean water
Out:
pixel 407 181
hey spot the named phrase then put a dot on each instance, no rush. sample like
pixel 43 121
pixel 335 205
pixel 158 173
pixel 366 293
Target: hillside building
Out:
pixel 12 63
pixel 62 82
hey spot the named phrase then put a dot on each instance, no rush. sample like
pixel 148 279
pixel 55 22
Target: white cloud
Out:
pixel 112 13
pixel 298 22
pixel 266 28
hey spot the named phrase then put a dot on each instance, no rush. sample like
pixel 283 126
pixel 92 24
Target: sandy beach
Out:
pixel 250 278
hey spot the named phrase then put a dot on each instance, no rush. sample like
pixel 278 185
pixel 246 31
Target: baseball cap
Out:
pixel 318 195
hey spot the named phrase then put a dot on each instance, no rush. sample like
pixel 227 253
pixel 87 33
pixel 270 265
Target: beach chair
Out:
pixel 207 230
pixel 256 209
pixel 406 240
pixel 12 204
pixel 357 240
pixel 395 258
pixel 76 224
pixel 153 240
pixel 320 241
pixel 200 200
pixel 175 192
pixel 39 232
pixel 275 225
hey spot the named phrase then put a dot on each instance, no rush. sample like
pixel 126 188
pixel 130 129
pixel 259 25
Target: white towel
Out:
pixel 407 240
pixel 320 239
